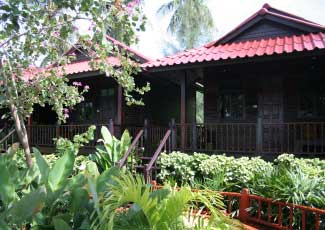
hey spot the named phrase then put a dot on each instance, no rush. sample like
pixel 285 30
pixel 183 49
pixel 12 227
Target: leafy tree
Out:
pixel 33 29
pixel 191 21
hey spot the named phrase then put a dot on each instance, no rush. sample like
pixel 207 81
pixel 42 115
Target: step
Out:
pixel 144 166
pixel 145 158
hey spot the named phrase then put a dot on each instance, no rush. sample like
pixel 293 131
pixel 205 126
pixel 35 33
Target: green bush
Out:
pixel 184 168
pixel 79 165
pixel 287 178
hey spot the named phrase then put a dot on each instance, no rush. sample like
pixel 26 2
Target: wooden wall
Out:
pixel 266 29
pixel 288 79
pixel 216 82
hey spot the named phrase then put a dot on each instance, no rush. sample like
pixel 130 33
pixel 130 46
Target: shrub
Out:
pixel 288 178
pixel 184 168
pixel 312 167
pixel 79 165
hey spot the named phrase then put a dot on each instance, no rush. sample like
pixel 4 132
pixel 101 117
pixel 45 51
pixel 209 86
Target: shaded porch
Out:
pixel 255 108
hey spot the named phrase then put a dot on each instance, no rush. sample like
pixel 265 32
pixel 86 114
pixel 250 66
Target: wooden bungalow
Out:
pixel 103 104
pixel 262 84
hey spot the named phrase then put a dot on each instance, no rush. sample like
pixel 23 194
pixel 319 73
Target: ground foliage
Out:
pixel 287 178
pixel 52 194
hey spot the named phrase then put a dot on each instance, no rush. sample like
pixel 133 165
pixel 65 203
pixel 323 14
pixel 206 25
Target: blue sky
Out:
pixel 226 14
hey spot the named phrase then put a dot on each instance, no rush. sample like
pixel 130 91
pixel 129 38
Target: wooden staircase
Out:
pixel 138 160
pixel 6 139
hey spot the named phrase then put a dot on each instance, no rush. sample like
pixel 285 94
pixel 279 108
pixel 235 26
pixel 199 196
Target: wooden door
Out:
pixel 271 112
pixel 106 105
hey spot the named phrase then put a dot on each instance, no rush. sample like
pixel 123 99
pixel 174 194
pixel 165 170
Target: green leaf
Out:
pixel 108 138
pixel 79 199
pixel 42 165
pixel 61 170
pixel 3 225
pixel 76 181
pixel 125 142
pixel 91 170
pixel 30 204
pixel 7 188
pixel 106 178
pixel 159 194
pixel 60 224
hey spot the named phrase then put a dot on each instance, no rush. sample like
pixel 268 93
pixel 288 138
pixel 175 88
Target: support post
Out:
pixel 111 126
pixel 194 136
pixel 244 205
pixel 57 132
pixel 259 135
pixel 119 105
pixel 145 135
pixel 173 134
pixel 183 112
pixel 29 123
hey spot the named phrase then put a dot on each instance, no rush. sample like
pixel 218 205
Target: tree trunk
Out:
pixel 22 134
pixel 11 92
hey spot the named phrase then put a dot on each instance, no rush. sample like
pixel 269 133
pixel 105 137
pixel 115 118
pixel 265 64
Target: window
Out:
pixel 107 92
pixel 312 105
pixel 321 105
pixel 85 111
pixel 232 106
pixel 307 106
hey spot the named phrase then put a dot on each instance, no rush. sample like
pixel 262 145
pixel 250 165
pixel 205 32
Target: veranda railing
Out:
pixel 268 213
pixel 44 135
pixel 289 137
pixel 250 138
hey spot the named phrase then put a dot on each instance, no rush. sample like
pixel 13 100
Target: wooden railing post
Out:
pixel 29 123
pixel 259 135
pixel 111 126
pixel 244 205
pixel 57 131
pixel 194 136
pixel 154 185
pixel 173 135
pixel 146 134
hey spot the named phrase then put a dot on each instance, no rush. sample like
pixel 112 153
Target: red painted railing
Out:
pixel 268 213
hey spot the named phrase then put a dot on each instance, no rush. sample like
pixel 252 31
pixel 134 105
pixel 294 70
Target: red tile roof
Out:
pixel 83 66
pixel 263 47
pixel 72 68
pixel 224 48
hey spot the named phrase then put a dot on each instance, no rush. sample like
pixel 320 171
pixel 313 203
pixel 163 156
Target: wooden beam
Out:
pixel 183 111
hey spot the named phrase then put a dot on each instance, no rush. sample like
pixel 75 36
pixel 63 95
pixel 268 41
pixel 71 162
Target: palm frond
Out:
pixel 130 202
pixel 167 7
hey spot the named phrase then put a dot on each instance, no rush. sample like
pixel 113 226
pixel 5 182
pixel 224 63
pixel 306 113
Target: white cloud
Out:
pixel 227 14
